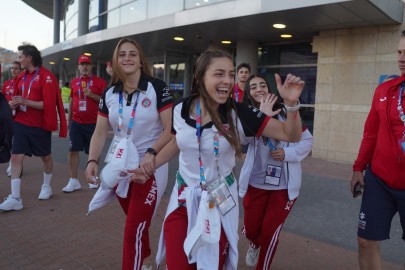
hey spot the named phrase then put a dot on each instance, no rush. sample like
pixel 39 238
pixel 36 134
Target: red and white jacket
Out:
pixel 382 130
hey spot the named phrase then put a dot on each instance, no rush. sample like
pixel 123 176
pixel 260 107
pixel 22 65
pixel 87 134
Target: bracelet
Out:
pixel 90 161
pixel 151 151
pixel 293 108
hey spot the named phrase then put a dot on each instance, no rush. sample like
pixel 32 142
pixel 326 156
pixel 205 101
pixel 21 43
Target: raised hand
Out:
pixel 267 103
pixel 291 89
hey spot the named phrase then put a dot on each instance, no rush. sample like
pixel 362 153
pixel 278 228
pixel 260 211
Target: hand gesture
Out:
pixel 291 90
pixel 267 103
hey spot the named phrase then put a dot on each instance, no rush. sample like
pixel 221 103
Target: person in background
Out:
pixel 82 117
pixel 382 157
pixel 8 90
pixel 242 73
pixel 208 127
pixel 37 102
pixel 136 106
pixel 65 93
pixel 270 180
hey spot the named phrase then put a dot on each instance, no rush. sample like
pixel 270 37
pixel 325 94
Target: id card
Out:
pixel 223 197
pixel 82 105
pixel 402 145
pixel 273 174
pixel 23 108
pixel 111 150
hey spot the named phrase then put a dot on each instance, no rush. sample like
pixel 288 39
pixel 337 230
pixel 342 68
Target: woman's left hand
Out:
pixel 138 176
pixel 291 90
pixel 148 164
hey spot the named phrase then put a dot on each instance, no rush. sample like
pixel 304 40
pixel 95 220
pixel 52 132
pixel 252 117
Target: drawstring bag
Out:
pixel 125 157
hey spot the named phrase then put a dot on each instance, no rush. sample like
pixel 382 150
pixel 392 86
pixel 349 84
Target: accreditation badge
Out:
pixel 273 174
pixel 219 190
pixel 111 149
pixel 82 105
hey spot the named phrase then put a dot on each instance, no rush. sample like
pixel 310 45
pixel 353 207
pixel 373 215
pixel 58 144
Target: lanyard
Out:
pixel 120 117
pixel 81 85
pixel 401 111
pixel 268 142
pixel 29 87
pixel 237 93
pixel 203 180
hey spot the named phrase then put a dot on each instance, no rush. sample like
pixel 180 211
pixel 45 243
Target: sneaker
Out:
pixel 72 185
pixel 144 267
pixel 93 186
pixel 9 169
pixel 10 203
pixel 252 256
pixel 46 193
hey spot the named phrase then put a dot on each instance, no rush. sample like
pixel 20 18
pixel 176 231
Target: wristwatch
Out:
pixel 151 151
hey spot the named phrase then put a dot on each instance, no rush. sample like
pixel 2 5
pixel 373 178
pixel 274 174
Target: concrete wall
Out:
pixel 350 62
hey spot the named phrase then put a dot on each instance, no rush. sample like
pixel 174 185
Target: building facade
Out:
pixel 341 48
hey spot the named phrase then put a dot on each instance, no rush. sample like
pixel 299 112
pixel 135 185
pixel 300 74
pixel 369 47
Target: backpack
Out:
pixel 6 130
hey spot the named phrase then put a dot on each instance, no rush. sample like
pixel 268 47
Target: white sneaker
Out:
pixel 10 203
pixel 93 186
pixel 72 185
pixel 46 193
pixel 9 169
pixel 144 267
pixel 252 256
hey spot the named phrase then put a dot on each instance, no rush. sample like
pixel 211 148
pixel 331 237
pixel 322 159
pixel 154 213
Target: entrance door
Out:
pixel 178 73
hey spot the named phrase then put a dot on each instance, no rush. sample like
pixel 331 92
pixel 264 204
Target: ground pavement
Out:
pixel 320 233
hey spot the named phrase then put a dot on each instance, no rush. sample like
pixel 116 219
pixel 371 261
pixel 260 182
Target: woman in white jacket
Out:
pixel 270 181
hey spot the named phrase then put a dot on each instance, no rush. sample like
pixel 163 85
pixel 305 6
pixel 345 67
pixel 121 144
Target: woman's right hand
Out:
pixel 92 173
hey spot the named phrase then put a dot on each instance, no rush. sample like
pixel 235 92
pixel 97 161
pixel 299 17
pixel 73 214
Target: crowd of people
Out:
pixel 220 121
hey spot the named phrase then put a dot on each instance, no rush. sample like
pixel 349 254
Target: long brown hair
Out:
pixel 117 72
pixel 199 90
pixel 249 100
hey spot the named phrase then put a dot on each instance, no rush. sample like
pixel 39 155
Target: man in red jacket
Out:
pixel 382 157
pixel 37 101
pixel 84 98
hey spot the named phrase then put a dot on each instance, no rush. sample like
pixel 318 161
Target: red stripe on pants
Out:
pixel 175 231
pixel 139 207
pixel 265 212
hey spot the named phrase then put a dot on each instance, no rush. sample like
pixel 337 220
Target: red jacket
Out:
pixel 47 84
pixel 380 146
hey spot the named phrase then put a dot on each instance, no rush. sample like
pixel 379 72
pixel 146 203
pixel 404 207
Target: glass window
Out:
pixel 93 25
pixel 133 12
pixel 94 9
pixel 113 18
pixel 197 3
pixel 71 20
pixel 113 4
pixel 163 7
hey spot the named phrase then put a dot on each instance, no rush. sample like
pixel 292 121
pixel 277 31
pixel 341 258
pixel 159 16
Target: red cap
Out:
pixel 84 59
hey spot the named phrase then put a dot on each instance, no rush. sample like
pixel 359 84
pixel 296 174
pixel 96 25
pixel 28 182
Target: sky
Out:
pixel 19 22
